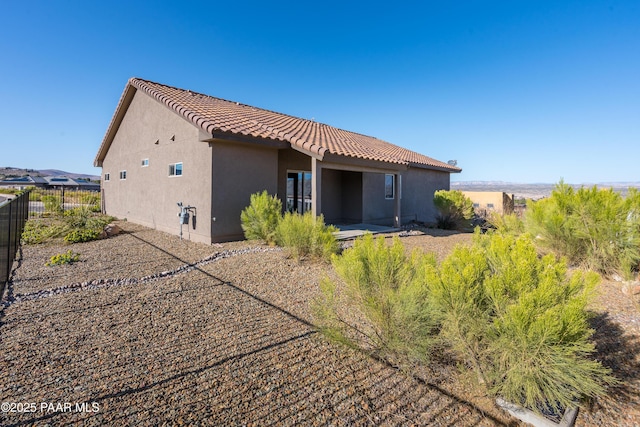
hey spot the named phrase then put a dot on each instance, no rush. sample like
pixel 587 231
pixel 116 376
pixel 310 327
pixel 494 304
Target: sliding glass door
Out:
pixel 298 191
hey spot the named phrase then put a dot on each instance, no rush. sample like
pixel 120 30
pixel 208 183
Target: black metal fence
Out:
pixel 53 201
pixel 13 216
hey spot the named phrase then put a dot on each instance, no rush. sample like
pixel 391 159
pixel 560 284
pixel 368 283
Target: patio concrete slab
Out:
pixel 351 231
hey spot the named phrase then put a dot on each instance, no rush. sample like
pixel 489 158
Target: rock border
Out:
pixel 106 283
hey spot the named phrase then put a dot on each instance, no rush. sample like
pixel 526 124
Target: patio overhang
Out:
pixel 355 165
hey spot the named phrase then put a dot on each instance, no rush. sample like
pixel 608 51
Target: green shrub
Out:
pixel 455 209
pixel 52 204
pixel 519 321
pixel 260 219
pixel 306 235
pixel 78 216
pixel 507 223
pixel 90 200
pixel 62 259
pixel 82 235
pixel 40 231
pixel 595 229
pixel 76 225
pixel 35 196
pixel 388 288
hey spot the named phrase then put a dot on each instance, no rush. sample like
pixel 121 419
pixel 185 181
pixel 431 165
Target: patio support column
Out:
pixel 397 214
pixel 316 187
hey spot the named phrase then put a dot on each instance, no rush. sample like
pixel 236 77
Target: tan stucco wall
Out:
pixel 148 196
pixel 418 186
pixel 502 202
pixel 375 208
pixel 239 170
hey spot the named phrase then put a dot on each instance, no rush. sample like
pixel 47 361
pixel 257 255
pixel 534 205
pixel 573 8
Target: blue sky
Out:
pixel 514 91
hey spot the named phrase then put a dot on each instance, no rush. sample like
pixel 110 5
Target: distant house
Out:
pixel 20 183
pixel 72 183
pixel 487 202
pixel 49 182
pixel 166 145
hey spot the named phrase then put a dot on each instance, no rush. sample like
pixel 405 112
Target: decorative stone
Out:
pixel 631 288
pixel 112 229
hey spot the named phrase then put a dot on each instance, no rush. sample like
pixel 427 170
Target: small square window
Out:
pixel 123 174
pixel 490 205
pixel 476 205
pixel 107 177
pixel 389 186
pixel 145 162
pixel 175 169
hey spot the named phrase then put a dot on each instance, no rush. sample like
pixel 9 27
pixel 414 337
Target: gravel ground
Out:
pixel 154 331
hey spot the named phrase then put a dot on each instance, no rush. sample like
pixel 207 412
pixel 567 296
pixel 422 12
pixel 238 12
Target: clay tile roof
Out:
pixel 215 115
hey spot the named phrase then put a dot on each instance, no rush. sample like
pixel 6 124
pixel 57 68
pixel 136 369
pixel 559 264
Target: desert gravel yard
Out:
pixel 149 330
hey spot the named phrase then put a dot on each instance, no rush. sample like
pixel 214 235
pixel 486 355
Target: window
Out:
pixel 123 174
pixel 145 162
pixel 389 186
pixel 175 169
pixel 490 205
pixel 107 177
pixel 476 205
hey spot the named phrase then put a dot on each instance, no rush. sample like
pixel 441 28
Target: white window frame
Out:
pixel 173 169
pixel 123 175
pixel 393 186
pixel 145 163
pixel 107 177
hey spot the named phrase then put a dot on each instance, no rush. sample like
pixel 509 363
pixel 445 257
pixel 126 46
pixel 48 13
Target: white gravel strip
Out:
pixel 106 283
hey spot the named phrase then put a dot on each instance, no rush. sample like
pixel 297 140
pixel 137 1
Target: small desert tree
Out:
pixel 455 209
pixel 387 289
pixel 594 228
pixel 260 219
pixel 305 235
pixel 519 321
pixel 507 223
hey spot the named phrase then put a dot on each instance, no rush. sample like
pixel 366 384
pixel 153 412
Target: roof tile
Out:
pixel 215 114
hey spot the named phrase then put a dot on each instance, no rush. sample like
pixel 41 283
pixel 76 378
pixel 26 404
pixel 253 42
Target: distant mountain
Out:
pixel 8 171
pixel 56 172
pixel 532 191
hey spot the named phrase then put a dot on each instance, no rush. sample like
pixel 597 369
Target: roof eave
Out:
pixel 238 137
pixel 363 162
pixel 450 169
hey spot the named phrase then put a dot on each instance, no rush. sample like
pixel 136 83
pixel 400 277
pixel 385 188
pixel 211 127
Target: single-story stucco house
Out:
pixel 166 145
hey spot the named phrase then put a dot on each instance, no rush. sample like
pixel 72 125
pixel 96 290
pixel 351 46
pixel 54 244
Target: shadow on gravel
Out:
pixel 618 351
pixel 199 350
